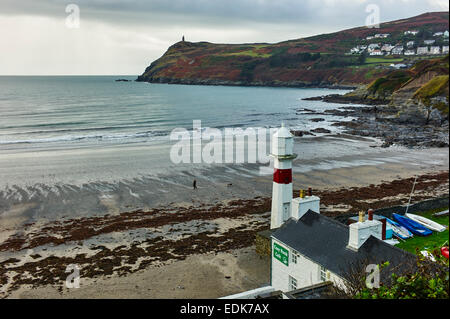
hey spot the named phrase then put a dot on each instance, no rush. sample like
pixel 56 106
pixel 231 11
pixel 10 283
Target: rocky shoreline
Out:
pixel 346 99
pixel 385 122
pixel 217 82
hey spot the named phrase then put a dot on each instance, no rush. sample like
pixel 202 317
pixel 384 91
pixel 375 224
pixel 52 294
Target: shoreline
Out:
pixel 381 121
pixel 212 82
pixel 138 243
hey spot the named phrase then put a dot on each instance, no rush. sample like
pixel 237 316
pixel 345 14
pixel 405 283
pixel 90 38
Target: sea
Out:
pixel 82 145
pixel 93 125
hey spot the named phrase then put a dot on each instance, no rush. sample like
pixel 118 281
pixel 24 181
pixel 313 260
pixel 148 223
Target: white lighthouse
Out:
pixel 282 152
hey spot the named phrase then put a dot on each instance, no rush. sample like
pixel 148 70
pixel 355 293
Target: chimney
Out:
pixel 309 191
pixel 301 205
pixel 361 231
pixel 362 217
pixel 370 212
pixel 383 228
pixel 302 194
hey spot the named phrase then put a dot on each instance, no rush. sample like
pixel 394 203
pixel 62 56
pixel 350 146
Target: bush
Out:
pixel 430 281
pixel 423 279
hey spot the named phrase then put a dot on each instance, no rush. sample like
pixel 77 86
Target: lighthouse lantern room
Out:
pixel 283 154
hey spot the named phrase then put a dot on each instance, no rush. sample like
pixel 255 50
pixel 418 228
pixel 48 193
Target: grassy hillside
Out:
pixel 424 85
pixel 322 60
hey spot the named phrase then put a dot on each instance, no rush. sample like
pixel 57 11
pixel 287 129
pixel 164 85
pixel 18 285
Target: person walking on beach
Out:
pixel 194 184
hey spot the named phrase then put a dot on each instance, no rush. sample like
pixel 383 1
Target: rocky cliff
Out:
pixel 319 61
pixel 421 91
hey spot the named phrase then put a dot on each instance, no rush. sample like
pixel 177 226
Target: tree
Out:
pixel 362 58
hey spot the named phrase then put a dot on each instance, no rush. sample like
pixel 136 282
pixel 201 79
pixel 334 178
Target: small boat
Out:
pixel 426 222
pixel 444 252
pixel 443 213
pixel 398 230
pixel 412 226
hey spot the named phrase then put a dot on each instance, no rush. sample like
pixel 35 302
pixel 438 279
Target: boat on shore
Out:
pixel 413 226
pixel 398 230
pixel 426 222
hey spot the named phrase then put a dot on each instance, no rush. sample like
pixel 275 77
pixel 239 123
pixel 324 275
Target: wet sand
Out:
pixel 323 162
pixel 156 237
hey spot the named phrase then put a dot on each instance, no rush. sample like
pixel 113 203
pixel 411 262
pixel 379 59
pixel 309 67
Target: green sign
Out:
pixel 281 253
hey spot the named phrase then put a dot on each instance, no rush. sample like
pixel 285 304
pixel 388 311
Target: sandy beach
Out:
pixel 197 244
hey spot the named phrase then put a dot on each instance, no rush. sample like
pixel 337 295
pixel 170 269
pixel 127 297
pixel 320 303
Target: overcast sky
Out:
pixel 123 36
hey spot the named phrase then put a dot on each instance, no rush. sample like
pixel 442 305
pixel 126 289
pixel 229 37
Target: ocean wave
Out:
pixel 100 137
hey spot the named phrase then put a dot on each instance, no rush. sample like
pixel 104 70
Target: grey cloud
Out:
pixel 223 12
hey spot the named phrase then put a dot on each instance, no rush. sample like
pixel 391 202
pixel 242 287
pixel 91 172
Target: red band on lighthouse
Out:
pixel 282 176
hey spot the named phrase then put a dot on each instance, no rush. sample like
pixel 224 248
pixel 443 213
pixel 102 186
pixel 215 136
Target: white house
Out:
pixel 410 44
pixel 446 34
pixel 410 52
pixel 382 35
pixel 429 42
pixel 387 48
pixel 398 50
pixel 438 34
pixel 373 46
pixel 435 50
pixel 398 66
pixel 376 52
pixel 413 32
pixel 445 49
pixel 422 50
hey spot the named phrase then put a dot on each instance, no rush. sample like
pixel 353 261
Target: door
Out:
pixel 286 211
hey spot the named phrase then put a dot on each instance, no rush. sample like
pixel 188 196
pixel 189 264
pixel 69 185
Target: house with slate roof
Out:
pixel 315 249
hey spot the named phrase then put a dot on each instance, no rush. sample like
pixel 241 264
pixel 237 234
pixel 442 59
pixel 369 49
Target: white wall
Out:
pixel 306 271
pixel 251 294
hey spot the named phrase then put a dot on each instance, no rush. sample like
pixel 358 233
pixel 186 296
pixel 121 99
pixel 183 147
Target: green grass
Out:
pixel 249 53
pixel 382 60
pixel 433 87
pixel 434 241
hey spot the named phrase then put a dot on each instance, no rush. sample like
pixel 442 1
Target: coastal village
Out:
pixel 414 43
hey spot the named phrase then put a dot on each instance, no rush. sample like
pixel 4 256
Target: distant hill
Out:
pixel 424 85
pixel 322 60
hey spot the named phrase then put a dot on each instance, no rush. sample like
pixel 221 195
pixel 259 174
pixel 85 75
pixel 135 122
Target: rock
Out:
pixel 321 130
pixel 301 133
pixel 317 120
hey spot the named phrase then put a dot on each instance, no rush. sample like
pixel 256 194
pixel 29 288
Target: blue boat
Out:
pixel 412 226
pixel 398 230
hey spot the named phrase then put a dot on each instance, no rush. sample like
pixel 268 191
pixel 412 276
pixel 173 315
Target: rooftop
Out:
pixel 324 240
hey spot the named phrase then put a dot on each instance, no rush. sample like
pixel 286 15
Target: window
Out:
pixel 294 256
pixel 323 274
pixel 292 283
